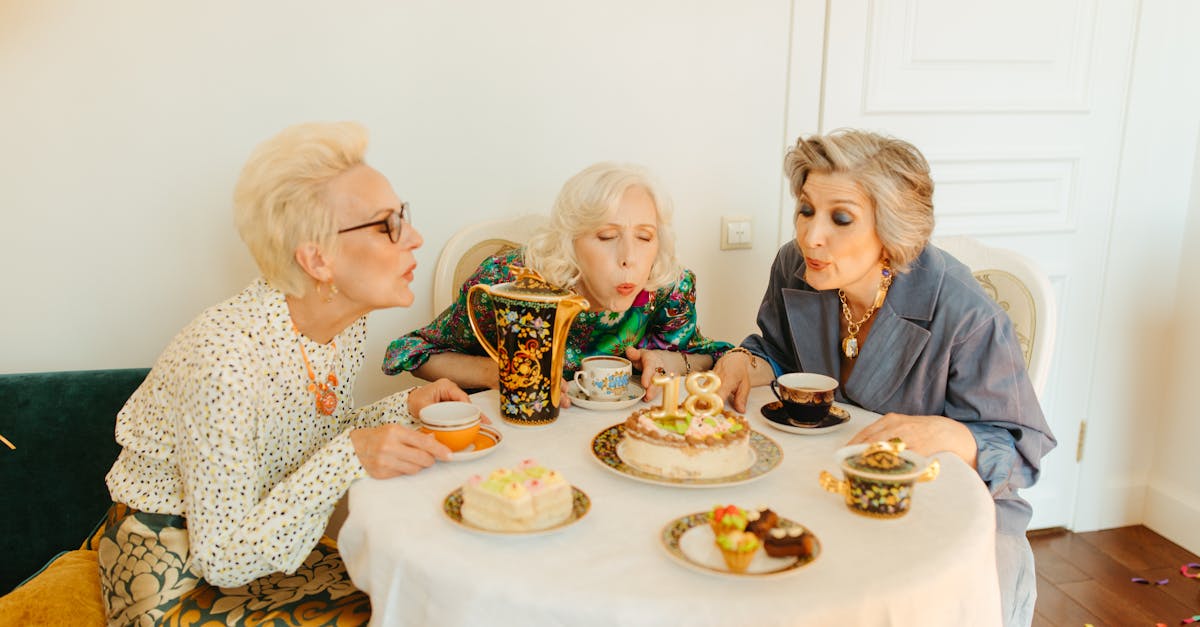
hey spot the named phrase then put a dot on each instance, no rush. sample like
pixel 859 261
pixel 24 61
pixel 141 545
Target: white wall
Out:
pixel 1139 454
pixel 125 124
pixel 1172 504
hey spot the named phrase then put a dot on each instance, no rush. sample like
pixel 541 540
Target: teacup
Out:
pixel 806 396
pixel 453 423
pixel 604 377
pixel 879 477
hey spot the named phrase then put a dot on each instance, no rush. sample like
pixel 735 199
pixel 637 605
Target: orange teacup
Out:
pixel 453 423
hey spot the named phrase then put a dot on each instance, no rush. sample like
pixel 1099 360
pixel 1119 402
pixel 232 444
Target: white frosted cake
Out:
pixel 525 498
pixel 687 446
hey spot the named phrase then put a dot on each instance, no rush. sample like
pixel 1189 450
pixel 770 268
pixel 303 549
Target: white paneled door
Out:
pixel 1019 107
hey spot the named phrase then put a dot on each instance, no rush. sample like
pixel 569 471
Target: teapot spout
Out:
pixel 568 309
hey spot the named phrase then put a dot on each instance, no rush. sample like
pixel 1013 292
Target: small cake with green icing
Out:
pixel 692 440
pixel 723 518
pixel 527 497
pixel 738 549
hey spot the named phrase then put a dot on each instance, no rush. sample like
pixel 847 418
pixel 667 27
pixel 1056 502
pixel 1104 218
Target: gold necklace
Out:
pixel 850 342
pixel 326 397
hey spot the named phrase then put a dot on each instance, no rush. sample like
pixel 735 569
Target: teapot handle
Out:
pixel 483 341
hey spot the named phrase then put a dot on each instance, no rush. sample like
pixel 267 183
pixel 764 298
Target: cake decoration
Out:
pixel 697 439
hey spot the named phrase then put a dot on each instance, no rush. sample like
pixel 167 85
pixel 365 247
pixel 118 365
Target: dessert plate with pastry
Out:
pixel 693 444
pixel 528 499
pixel 730 541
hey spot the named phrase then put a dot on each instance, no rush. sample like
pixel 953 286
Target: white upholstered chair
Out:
pixel 1021 289
pixel 470 246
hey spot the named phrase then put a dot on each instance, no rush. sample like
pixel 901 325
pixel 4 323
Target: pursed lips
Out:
pixel 815 265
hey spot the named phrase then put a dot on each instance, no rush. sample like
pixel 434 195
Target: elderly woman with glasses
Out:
pixel 862 296
pixel 244 437
pixel 610 239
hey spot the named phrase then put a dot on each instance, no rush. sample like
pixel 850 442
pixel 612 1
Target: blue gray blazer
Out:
pixel 938 346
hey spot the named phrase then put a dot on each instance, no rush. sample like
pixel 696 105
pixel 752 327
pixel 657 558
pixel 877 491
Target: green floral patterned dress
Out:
pixel 664 320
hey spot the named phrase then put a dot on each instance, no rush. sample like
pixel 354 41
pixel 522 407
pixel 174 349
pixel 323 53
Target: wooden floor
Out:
pixel 1085 578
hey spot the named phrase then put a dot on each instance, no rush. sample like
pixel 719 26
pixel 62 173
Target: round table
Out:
pixel 934 566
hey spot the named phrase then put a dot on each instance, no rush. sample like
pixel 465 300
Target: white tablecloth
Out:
pixel 935 566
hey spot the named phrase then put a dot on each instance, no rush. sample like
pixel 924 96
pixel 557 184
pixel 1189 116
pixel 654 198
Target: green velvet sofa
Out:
pixel 61 424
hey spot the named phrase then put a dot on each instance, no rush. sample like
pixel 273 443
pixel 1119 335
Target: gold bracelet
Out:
pixel 687 365
pixel 742 349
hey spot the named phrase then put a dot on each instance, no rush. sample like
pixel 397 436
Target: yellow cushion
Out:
pixel 66 592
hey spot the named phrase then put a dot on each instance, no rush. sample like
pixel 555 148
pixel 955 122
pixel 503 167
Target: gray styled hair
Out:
pixel 282 196
pixel 892 172
pixel 582 206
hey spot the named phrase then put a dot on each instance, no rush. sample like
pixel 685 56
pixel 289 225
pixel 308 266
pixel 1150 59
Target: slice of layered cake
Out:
pixel 527 497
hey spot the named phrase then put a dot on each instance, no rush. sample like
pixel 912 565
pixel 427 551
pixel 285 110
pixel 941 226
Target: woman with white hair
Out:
pixel 862 296
pixel 243 437
pixel 610 239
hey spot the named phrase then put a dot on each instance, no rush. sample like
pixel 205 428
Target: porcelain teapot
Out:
pixel 532 320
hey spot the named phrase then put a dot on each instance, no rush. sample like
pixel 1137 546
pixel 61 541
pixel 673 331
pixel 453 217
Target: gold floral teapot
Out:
pixel 532 319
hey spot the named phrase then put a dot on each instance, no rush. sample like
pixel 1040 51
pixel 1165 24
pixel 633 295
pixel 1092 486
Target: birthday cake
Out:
pixel 698 440
pixel 525 498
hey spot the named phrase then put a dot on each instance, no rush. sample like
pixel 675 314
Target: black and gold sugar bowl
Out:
pixel 879 477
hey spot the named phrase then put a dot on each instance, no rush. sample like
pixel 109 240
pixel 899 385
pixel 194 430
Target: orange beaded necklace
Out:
pixel 326 397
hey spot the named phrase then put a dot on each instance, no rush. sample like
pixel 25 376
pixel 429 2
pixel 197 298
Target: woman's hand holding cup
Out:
pixel 392 450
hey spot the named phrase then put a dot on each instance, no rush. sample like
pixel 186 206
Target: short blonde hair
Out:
pixel 282 196
pixel 584 205
pixel 892 173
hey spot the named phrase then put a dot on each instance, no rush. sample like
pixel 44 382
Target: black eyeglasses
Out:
pixel 394 222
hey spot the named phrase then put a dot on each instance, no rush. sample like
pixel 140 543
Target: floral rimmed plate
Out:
pixel 767 456
pixel 633 396
pixel 485 443
pixel 689 541
pixel 776 417
pixel 580 504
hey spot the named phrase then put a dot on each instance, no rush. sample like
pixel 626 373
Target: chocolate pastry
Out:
pixel 790 542
pixel 761 522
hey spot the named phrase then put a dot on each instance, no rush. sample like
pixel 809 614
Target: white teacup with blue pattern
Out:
pixel 604 377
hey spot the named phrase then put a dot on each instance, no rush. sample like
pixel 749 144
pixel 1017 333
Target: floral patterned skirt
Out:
pixel 145 580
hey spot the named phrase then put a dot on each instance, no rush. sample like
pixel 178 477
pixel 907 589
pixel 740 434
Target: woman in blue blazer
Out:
pixel 861 295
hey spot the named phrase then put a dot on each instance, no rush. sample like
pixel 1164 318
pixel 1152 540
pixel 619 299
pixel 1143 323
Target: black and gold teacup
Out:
pixel 806 396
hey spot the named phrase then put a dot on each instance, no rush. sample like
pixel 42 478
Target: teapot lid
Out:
pixel 882 458
pixel 529 285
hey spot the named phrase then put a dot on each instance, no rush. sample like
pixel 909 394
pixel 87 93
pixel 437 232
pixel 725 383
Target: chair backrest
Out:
pixel 1021 289
pixel 61 424
pixel 470 246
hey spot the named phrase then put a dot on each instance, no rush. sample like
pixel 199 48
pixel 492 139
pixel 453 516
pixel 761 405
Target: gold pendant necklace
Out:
pixel 850 342
pixel 326 397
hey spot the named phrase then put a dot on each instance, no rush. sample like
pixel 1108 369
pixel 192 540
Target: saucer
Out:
pixel 486 442
pixel 633 396
pixel 834 420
